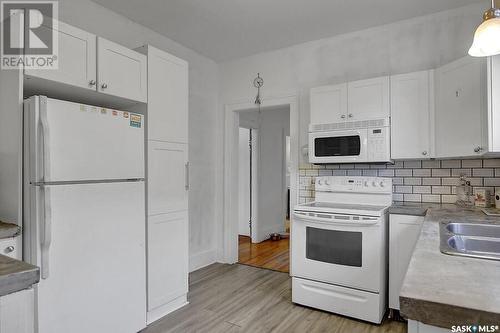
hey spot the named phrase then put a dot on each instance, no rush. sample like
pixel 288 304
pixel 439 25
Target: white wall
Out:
pixel 274 126
pixel 244 183
pixel 203 94
pixel 410 45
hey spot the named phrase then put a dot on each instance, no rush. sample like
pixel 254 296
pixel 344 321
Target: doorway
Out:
pixel 263 188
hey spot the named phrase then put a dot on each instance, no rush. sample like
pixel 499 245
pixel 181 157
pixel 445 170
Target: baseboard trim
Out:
pixel 162 311
pixel 202 259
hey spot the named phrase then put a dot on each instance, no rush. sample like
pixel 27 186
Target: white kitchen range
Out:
pixel 339 247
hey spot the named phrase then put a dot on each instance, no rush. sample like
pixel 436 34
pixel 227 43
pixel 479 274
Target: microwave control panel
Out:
pixel 378 144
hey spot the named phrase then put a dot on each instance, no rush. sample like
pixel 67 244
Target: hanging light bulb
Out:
pixel 487 37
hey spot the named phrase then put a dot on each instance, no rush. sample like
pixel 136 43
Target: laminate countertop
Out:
pixel 444 290
pixel 8 230
pixel 16 275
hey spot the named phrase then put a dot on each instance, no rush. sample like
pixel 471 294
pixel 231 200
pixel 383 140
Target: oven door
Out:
pixel 338 146
pixel 345 250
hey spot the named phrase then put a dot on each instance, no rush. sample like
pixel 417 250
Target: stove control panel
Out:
pixel 353 184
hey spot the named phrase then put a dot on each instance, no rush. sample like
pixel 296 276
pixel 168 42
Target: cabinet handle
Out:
pixel 350 115
pixel 92 83
pixel 342 116
pixel 9 249
pixel 478 149
pixel 104 86
pixel 424 153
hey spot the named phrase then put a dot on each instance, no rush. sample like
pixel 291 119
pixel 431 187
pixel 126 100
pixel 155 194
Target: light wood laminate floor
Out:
pixel 268 254
pixel 240 298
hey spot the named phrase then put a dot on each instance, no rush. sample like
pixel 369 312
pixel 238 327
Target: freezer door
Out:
pixel 75 142
pixel 94 269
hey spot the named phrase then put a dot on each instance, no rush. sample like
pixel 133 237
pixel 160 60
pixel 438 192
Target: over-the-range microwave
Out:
pixel 350 142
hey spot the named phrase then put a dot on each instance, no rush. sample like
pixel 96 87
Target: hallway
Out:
pixel 268 254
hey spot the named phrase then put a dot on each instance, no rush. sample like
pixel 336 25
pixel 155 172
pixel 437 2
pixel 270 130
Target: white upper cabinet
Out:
pixel 461 108
pixel 494 104
pixel 368 99
pixel 412 107
pixel 76 59
pixel 329 104
pixel 167 97
pixel 121 71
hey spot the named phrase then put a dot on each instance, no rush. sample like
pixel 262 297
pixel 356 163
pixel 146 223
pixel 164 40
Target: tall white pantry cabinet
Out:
pixel 167 183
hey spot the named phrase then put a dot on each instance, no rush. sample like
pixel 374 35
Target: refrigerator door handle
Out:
pixel 45 232
pixel 187 176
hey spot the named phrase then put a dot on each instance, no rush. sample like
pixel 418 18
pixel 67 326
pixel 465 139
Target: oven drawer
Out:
pixel 349 302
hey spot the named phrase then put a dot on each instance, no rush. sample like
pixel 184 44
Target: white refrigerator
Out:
pixel 84 216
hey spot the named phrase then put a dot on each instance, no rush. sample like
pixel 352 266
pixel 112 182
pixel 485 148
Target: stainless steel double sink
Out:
pixel 478 240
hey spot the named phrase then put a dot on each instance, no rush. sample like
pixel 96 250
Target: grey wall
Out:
pixel 203 94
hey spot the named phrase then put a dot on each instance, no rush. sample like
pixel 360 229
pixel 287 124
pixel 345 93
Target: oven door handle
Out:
pixel 305 216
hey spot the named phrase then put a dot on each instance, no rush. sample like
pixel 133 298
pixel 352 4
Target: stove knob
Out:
pixel 320 182
pixel 367 183
pixel 374 183
pixel 327 182
pixel 382 184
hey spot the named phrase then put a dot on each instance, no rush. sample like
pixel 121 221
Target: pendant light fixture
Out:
pixel 487 37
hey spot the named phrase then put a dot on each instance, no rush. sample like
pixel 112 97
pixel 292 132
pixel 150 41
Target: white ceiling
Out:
pixel 229 29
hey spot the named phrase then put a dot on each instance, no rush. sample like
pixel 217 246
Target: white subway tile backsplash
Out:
pixel 412 197
pixel 448 198
pixel 472 163
pixel 441 190
pixel 421 172
pixel 450 164
pixel 413 181
pixel 482 172
pixel 403 189
pixel 431 164
pixel 421 189
pixel 441 172
pixel 426 181
pixel 412 164
pixel 431 198
pixel 431 181
pixel 494 163
pixel 459 172
pixel 386 173
pixel 491 181
pixel 404 173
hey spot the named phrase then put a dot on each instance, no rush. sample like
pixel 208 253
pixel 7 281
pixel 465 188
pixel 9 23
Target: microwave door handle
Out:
pixel 333 220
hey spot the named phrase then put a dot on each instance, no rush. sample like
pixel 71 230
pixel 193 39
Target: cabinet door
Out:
pixel 368 99
pixel 76 59
pixel 329 104
pixel 168 177
pixel 121 71
pixel 411 107
pixel 460 119
pixel 167 258
pixel 17 312
pixel 403 235
pixel 167 97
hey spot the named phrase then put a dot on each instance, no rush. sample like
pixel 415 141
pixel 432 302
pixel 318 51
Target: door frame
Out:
pixel 230 201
